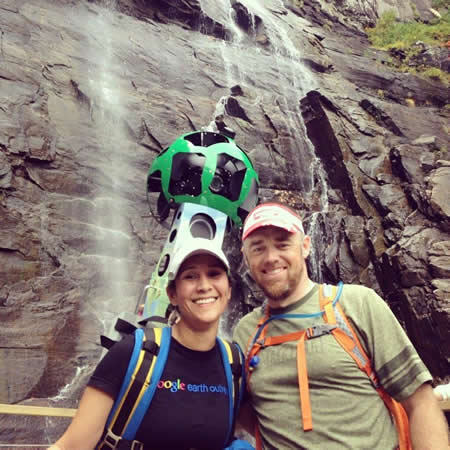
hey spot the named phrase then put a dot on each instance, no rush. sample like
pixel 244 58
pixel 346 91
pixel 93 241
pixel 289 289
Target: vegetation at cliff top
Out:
pixel 391 35
pixel 388 33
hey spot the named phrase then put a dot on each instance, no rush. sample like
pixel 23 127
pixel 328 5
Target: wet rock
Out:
pixel 223 128
pixel 321 133
pixel 442 292
pixel 425 140
pixel 234 109
pixel 357 240
pixel 388 199
pixel 5 172
pixel 406 162
pixel 318 64
pixel 380 117
pixel 440 185
pixel 187 13
pixel 237 91
pixel 440 259
pixel 247 21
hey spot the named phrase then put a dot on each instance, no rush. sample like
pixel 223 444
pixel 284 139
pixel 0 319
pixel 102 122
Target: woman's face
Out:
pixel 202 291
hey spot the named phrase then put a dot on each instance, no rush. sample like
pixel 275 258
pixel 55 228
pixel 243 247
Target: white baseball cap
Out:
pixel 196 246
pixel 274 214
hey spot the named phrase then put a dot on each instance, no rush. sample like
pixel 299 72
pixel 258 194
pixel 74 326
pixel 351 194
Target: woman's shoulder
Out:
pixel 110 372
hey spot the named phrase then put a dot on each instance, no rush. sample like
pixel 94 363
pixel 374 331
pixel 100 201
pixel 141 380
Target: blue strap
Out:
pixel 297 316
pixel 229 376
pixel 138 339
pixel 242 385
pixel 144 404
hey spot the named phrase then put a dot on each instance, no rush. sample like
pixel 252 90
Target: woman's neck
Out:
pixel 200 340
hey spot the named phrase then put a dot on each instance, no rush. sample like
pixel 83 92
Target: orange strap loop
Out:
pixel 276 340
pixel 305 402
pixel 400 418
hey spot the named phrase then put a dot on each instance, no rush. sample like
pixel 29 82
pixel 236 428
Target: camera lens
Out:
pixel 202 226
pixel 216 184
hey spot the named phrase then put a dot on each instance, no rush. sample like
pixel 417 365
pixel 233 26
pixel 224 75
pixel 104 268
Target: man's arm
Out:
pixel 426 421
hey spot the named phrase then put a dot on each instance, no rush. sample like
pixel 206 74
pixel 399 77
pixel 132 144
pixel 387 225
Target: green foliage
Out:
pixel 388 33
pixel 400 37
pixel 436 74
pixel 440 4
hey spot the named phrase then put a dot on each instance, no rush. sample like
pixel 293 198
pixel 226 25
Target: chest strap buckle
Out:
pixel 319 330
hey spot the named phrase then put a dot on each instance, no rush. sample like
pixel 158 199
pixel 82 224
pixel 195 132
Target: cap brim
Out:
pixel 184 253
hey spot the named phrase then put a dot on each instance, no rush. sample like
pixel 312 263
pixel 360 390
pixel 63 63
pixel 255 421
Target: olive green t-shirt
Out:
pixel 347 412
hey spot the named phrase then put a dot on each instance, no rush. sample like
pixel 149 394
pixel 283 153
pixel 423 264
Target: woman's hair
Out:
pixel 171 285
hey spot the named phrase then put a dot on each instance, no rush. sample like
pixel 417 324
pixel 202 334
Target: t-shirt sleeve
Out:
pixel 396 362
pixel 110 372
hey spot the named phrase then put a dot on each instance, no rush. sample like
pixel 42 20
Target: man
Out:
pixel 346 410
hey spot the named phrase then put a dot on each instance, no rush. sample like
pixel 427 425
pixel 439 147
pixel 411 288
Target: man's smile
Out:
pixel 273 272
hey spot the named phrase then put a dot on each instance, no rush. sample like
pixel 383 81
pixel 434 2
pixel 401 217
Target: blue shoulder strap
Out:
pixel 138 339
pixel 242 384
pixel 229 377
pixel 233 364
pixel 148 390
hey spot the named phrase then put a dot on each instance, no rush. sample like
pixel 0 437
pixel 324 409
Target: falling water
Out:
pixel 295 81
pixel 113 242
pixel 107 228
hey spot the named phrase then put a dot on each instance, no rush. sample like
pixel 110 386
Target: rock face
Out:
pixel 91 91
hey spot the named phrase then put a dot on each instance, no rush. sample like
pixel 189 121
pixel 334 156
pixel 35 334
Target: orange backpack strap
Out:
pixel 303 384
pixel 349 341
pixel 259 340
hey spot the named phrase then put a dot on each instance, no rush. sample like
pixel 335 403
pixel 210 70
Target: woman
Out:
pixel 191 416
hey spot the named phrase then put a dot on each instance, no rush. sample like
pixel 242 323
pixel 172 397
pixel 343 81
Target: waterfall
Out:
pixel 109 216
pixel 299 77
pixel 316 253
pixel 296 80
pixel 108 243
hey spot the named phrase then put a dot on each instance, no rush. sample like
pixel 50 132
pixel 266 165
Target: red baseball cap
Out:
pixel 273 214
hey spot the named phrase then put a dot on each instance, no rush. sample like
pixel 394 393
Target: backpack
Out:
pixel 336 323
pixel 147 361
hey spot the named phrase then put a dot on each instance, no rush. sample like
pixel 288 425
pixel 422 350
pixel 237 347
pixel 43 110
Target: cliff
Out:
pixel 91 91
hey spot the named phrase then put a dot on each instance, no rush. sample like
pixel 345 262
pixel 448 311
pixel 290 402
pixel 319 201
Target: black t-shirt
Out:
pixel 190 407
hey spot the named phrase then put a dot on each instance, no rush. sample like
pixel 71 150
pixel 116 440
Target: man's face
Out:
pixel 276 259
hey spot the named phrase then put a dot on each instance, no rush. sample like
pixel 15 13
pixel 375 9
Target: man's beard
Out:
pixel 280 291
pixel 277 293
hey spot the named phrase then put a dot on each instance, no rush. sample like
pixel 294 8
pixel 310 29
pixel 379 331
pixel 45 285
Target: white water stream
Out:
pixel 108 221
pixel 295 80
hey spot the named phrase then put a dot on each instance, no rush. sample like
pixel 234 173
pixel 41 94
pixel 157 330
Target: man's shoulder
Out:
pixel 357 289
pixel 357 293
pixel 358 300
